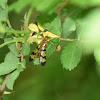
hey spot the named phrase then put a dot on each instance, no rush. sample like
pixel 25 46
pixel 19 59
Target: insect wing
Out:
pixel 34 54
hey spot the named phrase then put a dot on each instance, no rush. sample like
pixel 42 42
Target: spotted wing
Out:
pixel 34 54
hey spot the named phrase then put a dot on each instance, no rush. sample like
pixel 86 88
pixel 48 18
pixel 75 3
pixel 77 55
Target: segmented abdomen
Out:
pixel 43 55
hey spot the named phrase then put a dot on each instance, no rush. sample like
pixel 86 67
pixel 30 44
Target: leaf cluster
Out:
pixel 79 20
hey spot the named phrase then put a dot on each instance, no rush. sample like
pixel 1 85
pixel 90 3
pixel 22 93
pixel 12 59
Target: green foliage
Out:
pixel 10 57
pixel 71 55
pixel 86 2
pixel 51 5
pixel 3 3
pixel 23 63
pixel 26 49
pixel 2 30
pixel 70 10
pixel 38 4
pixel 88 26
pixel 10 63
pixel 81 17
pixel 10 82
pixel 52 47
pixel 97 55
pixel 3 14
pixel 13 49
pixel 36 61
pixel 51 23
pixel 1 80
pixel 1 35
pixel 68 26
pixel 3 10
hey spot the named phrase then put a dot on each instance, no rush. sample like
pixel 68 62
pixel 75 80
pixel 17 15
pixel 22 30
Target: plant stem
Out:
pixel 67 39
pixel 8 22
pixel 64 39
pixel 17 31
pixel 2 88
pixel 29 15
pixel 28 18
pixel 12 41
pixel 23 40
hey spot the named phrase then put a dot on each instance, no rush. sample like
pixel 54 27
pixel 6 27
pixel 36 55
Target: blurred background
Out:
pixel 52 81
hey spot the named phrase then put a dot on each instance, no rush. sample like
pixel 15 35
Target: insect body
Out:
pixel 40 52
pixel 43 47
pixel 39 32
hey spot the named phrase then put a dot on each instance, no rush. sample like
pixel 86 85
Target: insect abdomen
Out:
pixel 43 56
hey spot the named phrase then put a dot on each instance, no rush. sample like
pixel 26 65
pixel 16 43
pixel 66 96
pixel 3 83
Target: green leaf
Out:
pixel 88 26
pixel 19 68
pixel 8 37
pixel 71 55
pixel 47 6
pixel 68 9
pixel 26 49
pixel 2 29
pixel 71 11
pixel 3 14
pixel 13 49
pixel 51 23
pixel 3 52
pixel 40 5
pixel 10 57
pixel 2 3
pixel 51 47
pixel 10 64
pixel 68 26
pixel 1 80
pixel 1 35
pixel 97 55
pixel 6 68
pixel 23 63
pixel 36 61
pixel 11 80
pixel 86 2
pixel 19 5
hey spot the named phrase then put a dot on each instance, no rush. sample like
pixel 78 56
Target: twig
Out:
pixel 28 18
pixel 19 46
pixel 17 31
pixel 61 6
pixel 64 17
pixel 67 39
pixel 2 88
pixel 5 92
pixel 9 25
pixel 12 41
